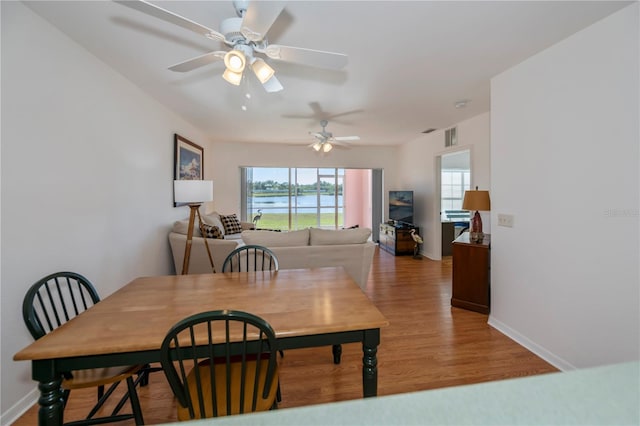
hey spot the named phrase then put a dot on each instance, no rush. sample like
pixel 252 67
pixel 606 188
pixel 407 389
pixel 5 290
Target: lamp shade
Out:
pixel 263 71
pixel 235 60
pixel 232 77
pixel 192 191
pixel 476 200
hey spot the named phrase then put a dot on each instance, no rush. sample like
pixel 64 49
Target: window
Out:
pixel 454 183
pixel 293 198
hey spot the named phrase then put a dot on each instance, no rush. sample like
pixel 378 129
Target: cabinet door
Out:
pixel 470 277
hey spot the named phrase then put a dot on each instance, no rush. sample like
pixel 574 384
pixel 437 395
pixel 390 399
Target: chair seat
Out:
pixel 204 368
pixel 99 376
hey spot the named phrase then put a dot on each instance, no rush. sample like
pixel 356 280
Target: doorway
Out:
pixel 455 179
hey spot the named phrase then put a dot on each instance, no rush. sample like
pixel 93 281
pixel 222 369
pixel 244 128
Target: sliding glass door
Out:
pixel 293 198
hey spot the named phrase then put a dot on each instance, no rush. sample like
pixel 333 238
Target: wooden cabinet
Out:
pixel 471 262
pixel 397 240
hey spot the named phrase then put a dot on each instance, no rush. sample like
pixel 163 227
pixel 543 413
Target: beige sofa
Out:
pixel 314 247
pixel 306 248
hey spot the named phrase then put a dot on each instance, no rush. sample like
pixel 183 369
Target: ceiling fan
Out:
pixel 326 140
pixel 320 114
pixel 246 35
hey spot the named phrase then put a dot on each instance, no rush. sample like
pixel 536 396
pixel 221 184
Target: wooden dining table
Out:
pixel 306 307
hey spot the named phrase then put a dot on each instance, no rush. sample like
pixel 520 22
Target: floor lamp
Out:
pixel 194 193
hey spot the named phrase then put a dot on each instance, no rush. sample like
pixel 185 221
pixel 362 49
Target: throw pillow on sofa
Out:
pixel 182 226
pixel 212 231
pixel 213 219
pixel 231 224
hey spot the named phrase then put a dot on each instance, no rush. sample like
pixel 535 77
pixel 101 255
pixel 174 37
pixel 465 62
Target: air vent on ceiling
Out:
pixel 450 137
pixel 429 130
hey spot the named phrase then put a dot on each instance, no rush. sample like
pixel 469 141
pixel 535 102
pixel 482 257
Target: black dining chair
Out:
pixel 250 257
pixel 258 258
pixel 56 299
pixel 221 363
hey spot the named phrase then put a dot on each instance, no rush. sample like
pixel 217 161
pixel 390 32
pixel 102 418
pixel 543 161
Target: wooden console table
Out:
pixel 471 262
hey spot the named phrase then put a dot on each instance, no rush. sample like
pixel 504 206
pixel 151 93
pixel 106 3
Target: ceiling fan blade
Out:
pixel 272 85
pixel 338 144
pixel 171 17
pixel 342 114
pixel 197 62
pixel 259 17
pixel 320 114
pixel 346 138
pixel 317 109
pixel 296 116
pixel 317 135
pixel 300 55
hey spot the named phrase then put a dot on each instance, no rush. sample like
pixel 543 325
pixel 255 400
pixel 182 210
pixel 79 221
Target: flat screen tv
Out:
pixel 401 207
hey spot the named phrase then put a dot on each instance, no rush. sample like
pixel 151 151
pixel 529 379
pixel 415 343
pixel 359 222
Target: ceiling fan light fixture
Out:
pixel 262 70
pixel 317 146
pixel 272 85
pixel 326 147
pixel 235 61
pixel 232 77
pixel 245 34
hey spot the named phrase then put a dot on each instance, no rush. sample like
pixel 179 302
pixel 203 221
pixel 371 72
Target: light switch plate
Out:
pixel 505 220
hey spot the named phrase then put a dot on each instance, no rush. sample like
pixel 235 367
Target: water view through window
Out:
pixel 294 198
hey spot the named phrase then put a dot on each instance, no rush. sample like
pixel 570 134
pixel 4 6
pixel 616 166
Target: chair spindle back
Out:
pixel 56 299
pixel 219 363
pixel 250 258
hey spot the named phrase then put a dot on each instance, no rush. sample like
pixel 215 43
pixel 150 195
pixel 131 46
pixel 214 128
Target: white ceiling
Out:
pixel 409 61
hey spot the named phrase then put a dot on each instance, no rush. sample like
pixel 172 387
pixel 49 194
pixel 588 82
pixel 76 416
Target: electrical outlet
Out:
pixel 505 220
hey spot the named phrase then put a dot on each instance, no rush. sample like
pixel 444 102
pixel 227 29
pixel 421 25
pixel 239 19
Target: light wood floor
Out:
pixel 428 345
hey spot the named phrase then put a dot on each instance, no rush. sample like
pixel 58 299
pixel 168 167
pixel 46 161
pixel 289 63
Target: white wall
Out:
pixel 565 160
pixel 418 171
pixel 229 157
pixel 87 162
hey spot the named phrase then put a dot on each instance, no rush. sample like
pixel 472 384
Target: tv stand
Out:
pixel 396 239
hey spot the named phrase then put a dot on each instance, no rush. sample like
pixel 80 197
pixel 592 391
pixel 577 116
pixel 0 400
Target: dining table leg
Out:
pixel 51 399
pixel 370 362
pixel 337 353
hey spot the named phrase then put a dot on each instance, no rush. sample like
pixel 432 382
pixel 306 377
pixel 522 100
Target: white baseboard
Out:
pixel 19 408
pixel 430 256
pixel 543 353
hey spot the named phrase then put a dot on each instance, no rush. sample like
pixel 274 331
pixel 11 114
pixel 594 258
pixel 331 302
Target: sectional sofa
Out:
pixel 315 247
pixel 305 248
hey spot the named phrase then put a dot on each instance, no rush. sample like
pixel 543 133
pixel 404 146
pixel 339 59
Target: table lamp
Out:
pixel 476 200
pixel 194 193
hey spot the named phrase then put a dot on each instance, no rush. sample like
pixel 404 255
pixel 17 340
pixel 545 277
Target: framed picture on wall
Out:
pixel 188 161
pixel 188 156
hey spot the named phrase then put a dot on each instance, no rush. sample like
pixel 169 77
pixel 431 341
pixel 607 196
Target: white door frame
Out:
pixel 437 253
